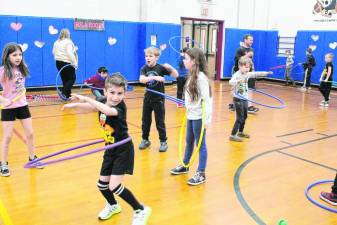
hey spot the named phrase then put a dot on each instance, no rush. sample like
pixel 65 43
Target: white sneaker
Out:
pixel 322 103
pixel 326 104
pixel 140 217
pixel 108 211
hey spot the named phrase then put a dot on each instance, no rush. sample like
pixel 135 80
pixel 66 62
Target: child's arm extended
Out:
pixel 259 74
pixel 173 72
pixel 95 105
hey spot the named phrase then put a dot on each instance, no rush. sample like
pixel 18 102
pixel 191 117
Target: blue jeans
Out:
pixel 193 135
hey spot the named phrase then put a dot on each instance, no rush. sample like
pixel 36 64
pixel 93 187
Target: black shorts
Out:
pixel 15 113
pixel 118 161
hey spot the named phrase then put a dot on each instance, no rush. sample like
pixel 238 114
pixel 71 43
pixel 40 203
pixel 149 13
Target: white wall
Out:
pixel 126 10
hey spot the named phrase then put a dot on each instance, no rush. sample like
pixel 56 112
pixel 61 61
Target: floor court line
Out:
pixel 237 176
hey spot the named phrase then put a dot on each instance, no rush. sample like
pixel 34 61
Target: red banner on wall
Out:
pixel 88 24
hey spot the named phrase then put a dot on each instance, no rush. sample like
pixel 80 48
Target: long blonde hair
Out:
pixel 200 65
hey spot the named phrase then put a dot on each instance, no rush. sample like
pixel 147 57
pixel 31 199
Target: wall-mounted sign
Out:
pixel 326 9
pixel 88 24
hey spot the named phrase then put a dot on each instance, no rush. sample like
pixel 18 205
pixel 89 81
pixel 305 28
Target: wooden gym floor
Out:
pixel 259 181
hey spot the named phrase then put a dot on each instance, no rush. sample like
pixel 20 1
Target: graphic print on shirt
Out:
pixel 152 83
pixel 19 84
pixel 107 131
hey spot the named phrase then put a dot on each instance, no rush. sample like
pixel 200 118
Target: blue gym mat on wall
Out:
pixel 126 55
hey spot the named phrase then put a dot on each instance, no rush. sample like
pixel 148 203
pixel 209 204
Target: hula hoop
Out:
pixel 38 162
pixel 4 215
pixel 306 192
pixel 181 37
pixel 182 132
pixel 16 98
pixel 128 88
pixel 261 104
pixel 173 99
pixel 64 98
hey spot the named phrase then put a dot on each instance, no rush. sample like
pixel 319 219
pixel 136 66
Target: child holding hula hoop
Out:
pixel 118 161
pixel 198 103
pixel 13 72
pixel 239 81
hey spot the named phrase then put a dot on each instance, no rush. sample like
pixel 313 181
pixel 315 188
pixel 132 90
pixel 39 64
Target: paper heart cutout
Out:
pixel 16 26
pixel 163 47
pixel 52 30
pixel 333 45
pixel 24 47
pixel 112 41
pixel 314 37
pixel 313 47
pixel 39 44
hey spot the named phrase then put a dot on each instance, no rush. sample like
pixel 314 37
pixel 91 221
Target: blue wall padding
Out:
pixel 6 33
pixel 125 56
pixel 265 42
pixel 265 51
pixel 30 32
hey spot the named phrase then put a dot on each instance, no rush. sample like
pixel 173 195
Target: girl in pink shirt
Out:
pixel 13 72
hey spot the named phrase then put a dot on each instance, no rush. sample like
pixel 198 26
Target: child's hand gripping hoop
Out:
pixel 181 137
pixel 16 98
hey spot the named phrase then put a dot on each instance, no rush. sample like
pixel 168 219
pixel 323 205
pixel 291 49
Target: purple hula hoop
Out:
pixel 306 192
pixel 261 104
pixel 173 99
pixel 38 162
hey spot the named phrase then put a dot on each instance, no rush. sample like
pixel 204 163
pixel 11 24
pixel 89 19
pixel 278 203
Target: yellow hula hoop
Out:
pixel 4 215
pixel 182 131
pixel 23 92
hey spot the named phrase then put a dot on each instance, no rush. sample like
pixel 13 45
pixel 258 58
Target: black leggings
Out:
pixel 325 88
pixel 180 86
pixel 68 77
pixel 158 106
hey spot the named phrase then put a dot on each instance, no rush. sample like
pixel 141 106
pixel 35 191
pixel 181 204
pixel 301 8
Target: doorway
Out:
pixel 207 35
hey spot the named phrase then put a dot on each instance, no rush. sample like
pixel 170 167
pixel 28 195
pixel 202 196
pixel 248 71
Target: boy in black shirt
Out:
pixel 152 74
pixel 119 160
pixel 326 80
pixel 309 64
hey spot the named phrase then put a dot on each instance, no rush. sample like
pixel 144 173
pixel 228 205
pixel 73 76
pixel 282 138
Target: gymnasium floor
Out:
pixel 259 181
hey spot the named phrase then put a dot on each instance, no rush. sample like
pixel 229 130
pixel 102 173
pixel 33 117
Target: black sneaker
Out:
pixel 4 170
pixel 330 198
pixel 37 166
pixel 179 170
pixel 243 135
pixel 198 178
pixel 144 144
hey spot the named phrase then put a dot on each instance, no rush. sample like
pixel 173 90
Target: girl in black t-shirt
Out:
pixel 326 80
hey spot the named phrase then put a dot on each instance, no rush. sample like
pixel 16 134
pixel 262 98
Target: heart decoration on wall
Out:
pixel 39 44
pixel 16 26
pixel 162 47
pixel 333 45
pixel 112 41
pixel 52 30
pixel 24 46
pixel 315 37
pixel 313 47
